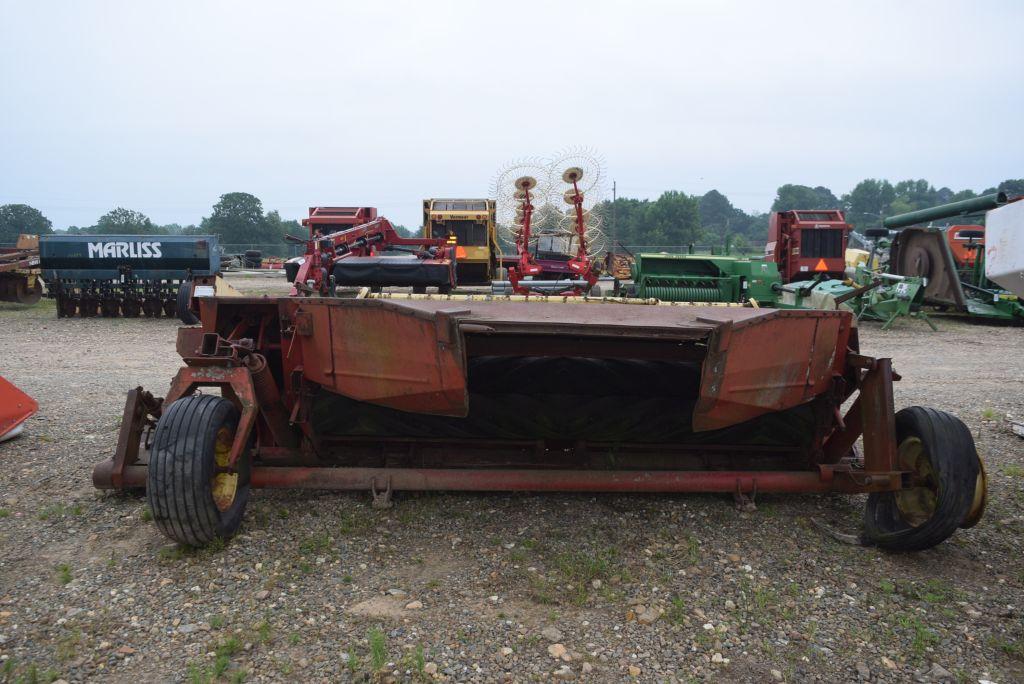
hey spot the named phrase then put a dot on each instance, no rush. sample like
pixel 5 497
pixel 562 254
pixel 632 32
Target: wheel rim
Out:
pixel 980 498
pixel 224 485
pixel 917 504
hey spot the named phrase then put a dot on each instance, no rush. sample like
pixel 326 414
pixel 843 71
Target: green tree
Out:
pixel 1011 186
pixel 868 202
pixel 625 219
pixel 123 221
pixel 16 219
pixel 173 229
pixel 719 219
pixel 962 195
pixel 790 196
pixel 716 212
pixel 915 194
pixel 741 246
pixel 673 219
pixel 238 219
pixel 292 227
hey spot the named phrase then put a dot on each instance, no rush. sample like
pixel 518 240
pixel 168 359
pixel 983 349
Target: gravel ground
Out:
pixel 321 587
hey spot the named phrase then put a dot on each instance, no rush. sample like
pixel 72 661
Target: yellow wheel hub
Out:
pixel 223 484
pixel 980 498
pixel 917 504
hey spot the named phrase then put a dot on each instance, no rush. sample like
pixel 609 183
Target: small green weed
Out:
pixel 378 649
pixel 582 568
pixel 264 631
pixel 64 573
pixel 56 510
pixel 352 662
pixel 318 543
pixel 677 611
pixel 921 636
pixel 1013 470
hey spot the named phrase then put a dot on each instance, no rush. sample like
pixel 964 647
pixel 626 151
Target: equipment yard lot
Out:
pixel 480 587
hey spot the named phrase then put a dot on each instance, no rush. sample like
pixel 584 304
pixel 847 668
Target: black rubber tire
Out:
pixel 88 307
pixel 185 315
pixel 419 289
pixel 131 308
pixel 66 307
pixel 152 307
pixel 291 269
pixel 29 295
pixel 110 308
pixel 181 465
pixel 950 450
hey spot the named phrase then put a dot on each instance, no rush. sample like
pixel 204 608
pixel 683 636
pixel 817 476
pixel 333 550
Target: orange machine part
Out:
pixel 15 407
pixel 958 244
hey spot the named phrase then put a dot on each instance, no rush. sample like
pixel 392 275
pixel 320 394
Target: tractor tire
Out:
pixel 29 295
pixel 191 502
pixel 185 314
pixel 938 448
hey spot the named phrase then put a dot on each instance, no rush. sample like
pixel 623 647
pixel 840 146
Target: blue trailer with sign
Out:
pixel 124 275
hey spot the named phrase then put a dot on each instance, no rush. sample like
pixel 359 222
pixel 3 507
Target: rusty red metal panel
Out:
pixel 879 417
pixel 386 356
pixel 425 479
pixel 768 364
pixel 526 480
pixel 140 412
pixel 829 345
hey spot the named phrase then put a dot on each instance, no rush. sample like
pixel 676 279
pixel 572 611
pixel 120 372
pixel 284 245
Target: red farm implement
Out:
pixel 578 268
pixel 807 244
pixel 15 408
pixel 346 246
pixel 569 394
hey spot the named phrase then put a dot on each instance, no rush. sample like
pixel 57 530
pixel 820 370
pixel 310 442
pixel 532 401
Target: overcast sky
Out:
pixel 164 106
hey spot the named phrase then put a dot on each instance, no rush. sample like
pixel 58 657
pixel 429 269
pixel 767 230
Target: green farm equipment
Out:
pixel 870 295
pixel 953 282
pixel 703 278
pixel 708 278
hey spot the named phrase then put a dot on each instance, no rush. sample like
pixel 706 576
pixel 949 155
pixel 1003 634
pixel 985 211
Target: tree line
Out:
pixel 674 219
